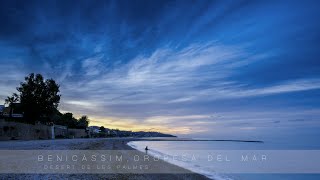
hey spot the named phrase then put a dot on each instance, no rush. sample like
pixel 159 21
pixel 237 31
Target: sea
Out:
pixel 166 150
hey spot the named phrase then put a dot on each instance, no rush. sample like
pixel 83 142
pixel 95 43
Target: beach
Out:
pixel 119 144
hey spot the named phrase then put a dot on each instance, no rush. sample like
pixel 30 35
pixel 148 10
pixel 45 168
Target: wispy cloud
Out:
pixel 162 76
pixel 195 73
pixel 239 90
pixel 93 65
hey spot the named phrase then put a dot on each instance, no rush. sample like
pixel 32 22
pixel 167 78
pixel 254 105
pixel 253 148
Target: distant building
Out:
pixel 59 131
pixel 94 129
pixel 107 131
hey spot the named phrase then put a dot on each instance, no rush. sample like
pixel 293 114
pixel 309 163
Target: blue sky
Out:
pixel 191 68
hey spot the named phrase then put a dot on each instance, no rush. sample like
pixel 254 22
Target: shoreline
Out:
pixel 119 144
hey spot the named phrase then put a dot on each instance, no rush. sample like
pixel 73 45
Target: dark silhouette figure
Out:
pixel 146 149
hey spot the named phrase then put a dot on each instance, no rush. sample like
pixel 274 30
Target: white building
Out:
pixel 94 129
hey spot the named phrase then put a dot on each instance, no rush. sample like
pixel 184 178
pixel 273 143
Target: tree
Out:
pixel 67 119
pixel 39 98
pixel 10 100
pixel 83 122
pixel 102 129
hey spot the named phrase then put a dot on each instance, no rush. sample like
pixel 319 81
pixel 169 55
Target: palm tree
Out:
pixel 10 100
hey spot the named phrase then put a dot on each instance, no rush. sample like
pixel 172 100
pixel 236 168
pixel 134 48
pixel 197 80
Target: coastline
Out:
pixel 119 144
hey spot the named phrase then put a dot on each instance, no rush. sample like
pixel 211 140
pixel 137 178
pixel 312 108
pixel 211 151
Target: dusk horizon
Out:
pixel 215 69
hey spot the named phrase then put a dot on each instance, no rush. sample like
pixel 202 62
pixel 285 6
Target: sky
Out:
pixel 229 69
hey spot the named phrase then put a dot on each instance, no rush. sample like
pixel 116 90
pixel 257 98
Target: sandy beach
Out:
pixel 119 144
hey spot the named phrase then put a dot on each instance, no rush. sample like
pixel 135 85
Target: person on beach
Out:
pixel 146 149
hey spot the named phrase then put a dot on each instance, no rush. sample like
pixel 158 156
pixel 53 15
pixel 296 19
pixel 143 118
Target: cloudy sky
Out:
pixel 191 68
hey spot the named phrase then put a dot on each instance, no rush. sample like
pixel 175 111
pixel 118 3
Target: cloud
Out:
pixel 80 103
pixel 195 73
pixel 12 72
pixel 163 76
pixel 284 87
pixel 92 66
pixel 238 91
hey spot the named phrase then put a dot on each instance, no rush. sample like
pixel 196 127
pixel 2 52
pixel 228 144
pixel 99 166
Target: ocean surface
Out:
pixel 167 149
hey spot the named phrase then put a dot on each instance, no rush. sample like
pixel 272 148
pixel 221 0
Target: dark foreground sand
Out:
pixel 119 144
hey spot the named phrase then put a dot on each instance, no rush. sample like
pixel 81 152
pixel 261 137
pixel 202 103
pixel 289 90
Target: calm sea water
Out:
pixel 170 148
